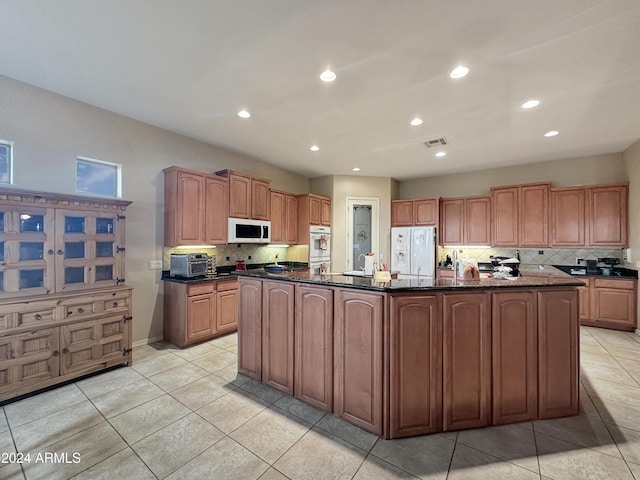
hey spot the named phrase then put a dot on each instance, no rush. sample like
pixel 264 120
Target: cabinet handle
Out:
pixel 115 304
pixel 60 252
pixel 65 350
pixel 50 252
pixel 80 310
pixel 55 353
pixel 38 316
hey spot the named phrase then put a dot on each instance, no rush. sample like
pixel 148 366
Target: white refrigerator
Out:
pixel 413 251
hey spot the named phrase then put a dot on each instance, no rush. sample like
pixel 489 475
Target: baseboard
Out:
pixel 147 341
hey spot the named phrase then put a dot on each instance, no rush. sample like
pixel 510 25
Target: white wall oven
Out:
pixel 320 267
pixel 319 243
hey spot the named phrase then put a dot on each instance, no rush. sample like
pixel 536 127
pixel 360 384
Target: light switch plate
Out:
pixel 155 265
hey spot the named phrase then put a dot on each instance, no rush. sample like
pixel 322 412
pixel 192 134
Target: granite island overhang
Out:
pixel 412 357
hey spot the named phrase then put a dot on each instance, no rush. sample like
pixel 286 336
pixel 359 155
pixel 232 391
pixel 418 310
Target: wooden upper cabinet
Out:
pixel 505 216
pixel 521 215
pixel 325 212
pixel 402 213
pixel 452 221
pixel 216 210
pixel 420 212
pixel 284 217
pixel 195 208
pixel 478 221
pixel 249 197
pixel 534 215
pixel 278 216
pixel 425 212
pixel 568 217
pixel 465 221
pixel 608 216
pixel 314 210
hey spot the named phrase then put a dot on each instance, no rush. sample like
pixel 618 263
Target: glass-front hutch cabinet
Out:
pixel 64 307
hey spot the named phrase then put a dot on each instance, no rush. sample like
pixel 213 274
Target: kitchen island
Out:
pixel 411 357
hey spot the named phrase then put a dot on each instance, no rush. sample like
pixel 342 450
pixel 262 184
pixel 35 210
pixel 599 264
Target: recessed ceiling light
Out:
pixel 314 148
pixel 244 114
pixel 530 104
pixel 327 76
pixel 416 121
pixel 441 154
pixel 551 133
pixel 459 72
pixel 355 169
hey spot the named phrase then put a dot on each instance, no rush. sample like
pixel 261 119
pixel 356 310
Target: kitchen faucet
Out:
pixel 363 260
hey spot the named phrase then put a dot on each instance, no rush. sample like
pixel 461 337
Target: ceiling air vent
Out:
pixel 436 142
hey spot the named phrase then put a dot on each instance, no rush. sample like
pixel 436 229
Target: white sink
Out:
pixel 356 273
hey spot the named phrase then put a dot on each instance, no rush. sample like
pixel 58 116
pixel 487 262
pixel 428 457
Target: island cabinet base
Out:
pixel 401 364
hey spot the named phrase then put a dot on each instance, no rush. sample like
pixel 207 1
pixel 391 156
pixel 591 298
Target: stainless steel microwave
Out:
pixel 188 264
pixel 243 230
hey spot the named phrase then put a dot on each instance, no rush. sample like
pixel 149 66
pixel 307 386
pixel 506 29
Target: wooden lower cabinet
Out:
pixel 358 358
pixel 200 311
pixel 250 327
pixel 609 303
pixel 277 335
pixel 515 356
pixel 415 368
pixel 558 353
pixel 313 370
pixel 466 360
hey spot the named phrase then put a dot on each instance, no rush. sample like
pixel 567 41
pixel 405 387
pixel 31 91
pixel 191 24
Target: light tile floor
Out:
pixel 186 414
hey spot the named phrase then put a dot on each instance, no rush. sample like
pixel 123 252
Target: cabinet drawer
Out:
pixel 224 285
pixel 116 303
pixel 621 284
pixel 79 310
pixel 200 289
pixel 27 314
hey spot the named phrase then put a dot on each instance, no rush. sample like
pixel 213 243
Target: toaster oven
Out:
pixel 188 264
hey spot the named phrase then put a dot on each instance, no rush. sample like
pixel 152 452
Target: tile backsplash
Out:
pixel 250 253
pixel 535 256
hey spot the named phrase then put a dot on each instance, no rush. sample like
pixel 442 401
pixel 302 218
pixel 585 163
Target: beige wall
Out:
pixel 631 158
pixel 49 131
pixel 562 173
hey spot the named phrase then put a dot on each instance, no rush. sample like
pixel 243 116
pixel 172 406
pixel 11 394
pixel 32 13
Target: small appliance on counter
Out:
pixel 188 265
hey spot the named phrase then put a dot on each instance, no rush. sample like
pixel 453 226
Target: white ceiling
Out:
pixel 188 66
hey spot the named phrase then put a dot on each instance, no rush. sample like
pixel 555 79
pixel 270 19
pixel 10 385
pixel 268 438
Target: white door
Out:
pixel 362 230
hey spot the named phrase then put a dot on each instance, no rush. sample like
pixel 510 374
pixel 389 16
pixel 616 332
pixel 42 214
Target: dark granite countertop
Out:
pixel 531 277
pixel 226 272
pixel 617 272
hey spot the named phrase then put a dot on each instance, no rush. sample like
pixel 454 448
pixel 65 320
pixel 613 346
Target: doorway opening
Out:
pixel 362 230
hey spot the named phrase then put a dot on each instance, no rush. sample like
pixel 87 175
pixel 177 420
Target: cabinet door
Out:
pixel 239 196
pixel 452 222
pixel 27 251
pixel 314 210
pixel 250 327
pixel 477 221
pixel 291 230
pixel 425 212
pixel 515 357
pixel 89 250
pixel 466 361
pixel 28 359
pixel 277 335
pixel 314 346
pixel 584 300
pixel 88 344
pixel 358 359
pixel 190 209
pixel 608 216
pixel 504 204
pixel 568 217
pixel 402 213
pixel 226 310
pixel 534 215
pixel 278 217
pixel 415 365
pixel 260 197
pixel 216 210
pixel 558 353
pixel 614 302
pixel 201 317
pixel 325 212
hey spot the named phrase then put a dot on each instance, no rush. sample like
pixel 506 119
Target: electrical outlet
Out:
pixel 540 252
pixel 381 256
pixel 155 265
